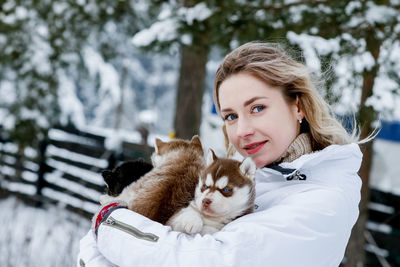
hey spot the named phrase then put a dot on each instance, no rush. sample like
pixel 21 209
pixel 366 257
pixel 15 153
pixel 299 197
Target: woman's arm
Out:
pixel 89 255
pixel 309 228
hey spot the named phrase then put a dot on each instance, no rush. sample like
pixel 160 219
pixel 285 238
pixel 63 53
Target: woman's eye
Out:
pixel 258 108
pixel 230 117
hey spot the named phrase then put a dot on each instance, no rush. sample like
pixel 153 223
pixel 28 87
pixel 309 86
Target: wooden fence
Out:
pixel 65 170
pixel 383 230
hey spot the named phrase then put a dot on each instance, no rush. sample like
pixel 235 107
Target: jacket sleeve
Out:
pixel 308 228
pixel 89 255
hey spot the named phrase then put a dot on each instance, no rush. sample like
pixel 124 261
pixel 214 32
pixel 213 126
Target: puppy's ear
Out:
pixel 197 143
pixel 248 168
pixel 196 140
pixel 210 157
pixel 107 176
pixel 158 145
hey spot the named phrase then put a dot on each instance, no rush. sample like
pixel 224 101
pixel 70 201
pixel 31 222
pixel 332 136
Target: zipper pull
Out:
pixel 110 221
pixel 296 176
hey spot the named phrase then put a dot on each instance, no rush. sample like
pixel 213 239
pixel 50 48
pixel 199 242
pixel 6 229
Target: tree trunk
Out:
pixel 190 91
pixel 355 252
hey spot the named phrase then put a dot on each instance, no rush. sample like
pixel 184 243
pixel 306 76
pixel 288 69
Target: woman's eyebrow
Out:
pixel 246 103
pixel 251 100
pixel 227 110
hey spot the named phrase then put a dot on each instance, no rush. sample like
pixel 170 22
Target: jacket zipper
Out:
pixel 130 229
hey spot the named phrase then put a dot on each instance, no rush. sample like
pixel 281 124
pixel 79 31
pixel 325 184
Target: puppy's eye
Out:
pixel 205 186
pixel 226 189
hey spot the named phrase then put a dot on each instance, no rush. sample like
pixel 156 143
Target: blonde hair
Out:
pixel 270 63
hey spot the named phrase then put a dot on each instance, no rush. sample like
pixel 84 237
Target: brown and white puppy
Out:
pixel 225 192
pixel 170 185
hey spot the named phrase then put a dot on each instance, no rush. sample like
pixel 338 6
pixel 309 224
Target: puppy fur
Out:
pixel 124 174
pixel 170 185
pixel 226 191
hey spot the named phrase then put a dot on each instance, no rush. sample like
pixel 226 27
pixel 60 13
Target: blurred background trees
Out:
pixel 105 63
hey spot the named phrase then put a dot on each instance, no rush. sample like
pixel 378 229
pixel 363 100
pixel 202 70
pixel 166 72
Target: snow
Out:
pixel 39 237
pixel 147 116
pixel 186 39
pixel 313 47
pixel 6 170
pixel 351 6
pixel 27 114
pixel 165 29
pixel 26 189
pixel 363 61
pixel 21 13
pixel 385 166
pixel 71 107
pixel 67 154
pixel 29 176
pixel 199 12
pixel 348 70
pixel 109 82
pixel 114 142
pixel 162 31
pixel 9 147
pixel 383 99
pixel 40 51
pixel 86 175
pixel 59 135
pixel 380 14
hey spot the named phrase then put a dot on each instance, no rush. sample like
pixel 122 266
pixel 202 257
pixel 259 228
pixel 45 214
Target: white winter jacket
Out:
pixel 304 214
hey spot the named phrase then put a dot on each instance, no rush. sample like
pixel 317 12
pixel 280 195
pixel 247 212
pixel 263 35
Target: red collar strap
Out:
pixel 104 212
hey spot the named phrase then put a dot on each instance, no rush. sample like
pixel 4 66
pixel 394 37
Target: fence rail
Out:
pixel 65 169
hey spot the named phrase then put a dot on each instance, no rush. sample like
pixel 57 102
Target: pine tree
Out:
pixel 42 58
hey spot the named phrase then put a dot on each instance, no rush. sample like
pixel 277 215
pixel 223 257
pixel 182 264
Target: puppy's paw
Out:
pixel 208 230
pixel 187 221
pixel 193 225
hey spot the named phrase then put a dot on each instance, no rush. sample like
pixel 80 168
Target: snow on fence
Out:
pixel 64 169
pixel 383 229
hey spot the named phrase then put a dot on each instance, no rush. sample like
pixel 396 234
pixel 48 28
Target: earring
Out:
pixel 300 121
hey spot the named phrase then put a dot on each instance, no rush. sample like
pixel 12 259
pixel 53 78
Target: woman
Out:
pixel 307 185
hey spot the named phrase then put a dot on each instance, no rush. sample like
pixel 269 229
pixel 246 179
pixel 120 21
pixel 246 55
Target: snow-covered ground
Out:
pixel 35 237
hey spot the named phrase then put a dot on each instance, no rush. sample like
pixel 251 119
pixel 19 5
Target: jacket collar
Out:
pixel 347 157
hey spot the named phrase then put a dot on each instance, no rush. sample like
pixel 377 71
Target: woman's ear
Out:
pixel 299 109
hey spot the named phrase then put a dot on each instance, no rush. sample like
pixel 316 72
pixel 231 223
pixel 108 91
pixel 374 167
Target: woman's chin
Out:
pixel 260 163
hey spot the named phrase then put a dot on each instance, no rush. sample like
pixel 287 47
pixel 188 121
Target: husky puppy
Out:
pixel 226 191
pixel 124 174
pixel 170 185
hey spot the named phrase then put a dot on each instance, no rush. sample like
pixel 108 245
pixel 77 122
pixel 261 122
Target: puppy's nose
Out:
pixel 207 202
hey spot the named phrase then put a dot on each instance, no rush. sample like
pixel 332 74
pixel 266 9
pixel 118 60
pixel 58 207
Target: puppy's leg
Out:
pixel 187 220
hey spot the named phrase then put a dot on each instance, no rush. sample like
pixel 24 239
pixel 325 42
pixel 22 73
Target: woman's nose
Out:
pixel 244 128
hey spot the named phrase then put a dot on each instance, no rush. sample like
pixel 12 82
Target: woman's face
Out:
pixel 259 122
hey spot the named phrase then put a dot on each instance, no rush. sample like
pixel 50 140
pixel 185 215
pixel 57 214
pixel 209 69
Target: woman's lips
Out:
pixel 254 147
